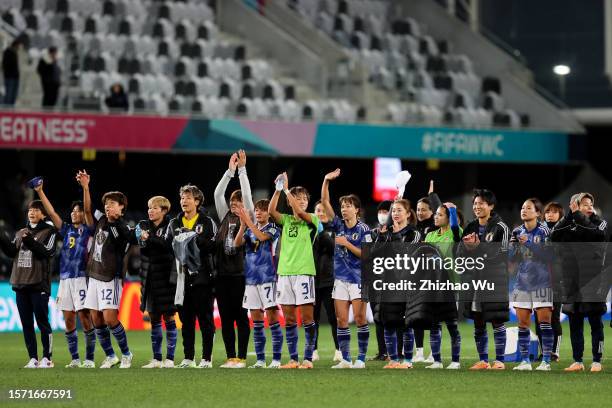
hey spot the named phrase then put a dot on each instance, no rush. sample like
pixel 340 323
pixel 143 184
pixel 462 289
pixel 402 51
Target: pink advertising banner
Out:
pixel 33 130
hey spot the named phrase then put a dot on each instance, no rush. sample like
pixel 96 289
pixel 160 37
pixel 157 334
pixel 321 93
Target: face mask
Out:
pixel 382 218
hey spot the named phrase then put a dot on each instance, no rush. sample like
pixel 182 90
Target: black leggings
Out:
pixel 35 304
pixel 576 321
pixel 198 304
pixel 229 292
pixel 419 336
pixel 324 299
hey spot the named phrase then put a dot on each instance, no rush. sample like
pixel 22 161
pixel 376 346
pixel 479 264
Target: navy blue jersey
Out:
pixel 73 256
pixel 533 270
pixel 260 265
pixel 347 267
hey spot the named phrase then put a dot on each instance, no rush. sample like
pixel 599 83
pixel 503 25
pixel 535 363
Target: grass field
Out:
pixel 303 388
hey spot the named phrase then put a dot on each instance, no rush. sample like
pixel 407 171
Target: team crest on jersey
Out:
pixel 537 239
pixel 159 232
pixel 489 237
pixel 199 228
pixel 355 236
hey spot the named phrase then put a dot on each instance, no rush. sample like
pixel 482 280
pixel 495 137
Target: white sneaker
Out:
pixel 358 364
pixel 524 366
pixel 418 356
pixel 88 364
pixel 259 364
pixel 429 359
pixel 33 363
pixel 315 355
pixel 338 356
pixel 45 363
pixel 126 361
pixel 436 365
pixel 153 364
pixel 204 364
pixel 343 364
pixel 455 365
pixel 274 364
pixel 168 363
pixel 544 366
pixel 187 364
pixel 109 362
pixel 74 364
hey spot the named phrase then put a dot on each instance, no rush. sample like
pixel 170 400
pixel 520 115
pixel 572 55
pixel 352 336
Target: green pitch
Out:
pixel 372 387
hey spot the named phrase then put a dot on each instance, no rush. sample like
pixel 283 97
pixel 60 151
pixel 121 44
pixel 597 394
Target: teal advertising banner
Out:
pixel 441 143
pixel 32 130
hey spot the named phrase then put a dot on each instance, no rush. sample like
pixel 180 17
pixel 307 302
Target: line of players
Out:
pixel 188 261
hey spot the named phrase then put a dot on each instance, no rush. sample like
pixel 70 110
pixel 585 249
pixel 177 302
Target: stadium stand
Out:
pixel 172 57
pixel 425 81
pixel 169 56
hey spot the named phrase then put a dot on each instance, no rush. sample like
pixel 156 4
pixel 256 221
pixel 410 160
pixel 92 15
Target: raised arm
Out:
pixel 434 199
pixel 245 186
pixel 55 218
pixel 294 204
pixel 454 222
pixel 83 179
pixel 239 240
pixel 325 200
pixel 246 220
pixel 220 202
pixel 296 207
pixel 277 216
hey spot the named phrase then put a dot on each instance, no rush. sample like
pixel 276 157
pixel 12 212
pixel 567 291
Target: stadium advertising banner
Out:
pixel 23 130
pixel 129 310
